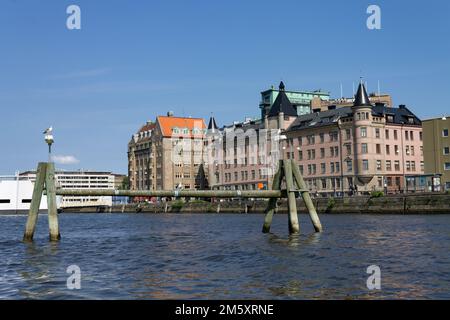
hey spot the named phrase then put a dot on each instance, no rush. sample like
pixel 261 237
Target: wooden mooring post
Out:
pixel 287 170
pixel 45 176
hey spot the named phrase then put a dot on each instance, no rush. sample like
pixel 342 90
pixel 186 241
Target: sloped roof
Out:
pixel 361 97
pixel 212 124
pixel 282 104
pixel 400 115
pixel 147 127
pixel 168 123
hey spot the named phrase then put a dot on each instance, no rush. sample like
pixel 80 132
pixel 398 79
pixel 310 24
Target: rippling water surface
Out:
pixel 173 256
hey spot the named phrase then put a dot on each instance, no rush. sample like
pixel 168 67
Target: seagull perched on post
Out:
pixel 48 130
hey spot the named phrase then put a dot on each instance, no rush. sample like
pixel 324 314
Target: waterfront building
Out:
pixel 437 151
pixel 81 180
pixel 248 153
pixel 15 194
pixel 179 153
pixel 362 148
pixel 300 100
pixel 140 158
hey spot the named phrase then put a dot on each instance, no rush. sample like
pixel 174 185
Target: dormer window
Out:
pixel 175 130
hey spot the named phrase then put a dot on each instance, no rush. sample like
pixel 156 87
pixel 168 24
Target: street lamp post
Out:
pixel 49 140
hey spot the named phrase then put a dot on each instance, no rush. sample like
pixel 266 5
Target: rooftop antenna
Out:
pixel 342 92
pixel 379 91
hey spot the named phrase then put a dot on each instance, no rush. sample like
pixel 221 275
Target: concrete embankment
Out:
pixel 394 204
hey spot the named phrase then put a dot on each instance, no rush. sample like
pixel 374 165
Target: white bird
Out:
pixel 48 130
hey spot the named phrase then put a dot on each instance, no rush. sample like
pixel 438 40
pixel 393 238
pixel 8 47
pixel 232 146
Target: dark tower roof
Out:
pixel 212 126
pixel 361 97
pixel 282 104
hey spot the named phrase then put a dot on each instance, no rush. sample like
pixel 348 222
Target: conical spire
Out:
pixel 212 126
pixel 282 104
pixel 361 97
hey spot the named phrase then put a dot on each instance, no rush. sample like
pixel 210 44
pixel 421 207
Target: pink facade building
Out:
pixel 360 148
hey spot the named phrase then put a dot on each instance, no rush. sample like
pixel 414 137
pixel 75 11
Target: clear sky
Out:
pixel 133 60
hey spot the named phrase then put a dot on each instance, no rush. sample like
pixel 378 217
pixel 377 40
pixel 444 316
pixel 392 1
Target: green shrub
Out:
pixel 177 204
pixel 377 194
pixel 331 203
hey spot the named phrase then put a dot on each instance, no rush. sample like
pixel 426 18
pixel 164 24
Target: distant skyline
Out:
pixel 134 60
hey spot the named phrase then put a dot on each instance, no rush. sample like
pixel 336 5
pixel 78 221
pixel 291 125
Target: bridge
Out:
pixel 287 183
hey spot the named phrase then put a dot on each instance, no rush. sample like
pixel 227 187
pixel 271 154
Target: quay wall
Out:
pixel 393 204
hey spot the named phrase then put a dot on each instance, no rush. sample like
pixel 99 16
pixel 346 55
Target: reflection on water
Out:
pixel 226 256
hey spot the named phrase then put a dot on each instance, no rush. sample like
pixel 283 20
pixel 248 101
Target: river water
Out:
pixel 218 256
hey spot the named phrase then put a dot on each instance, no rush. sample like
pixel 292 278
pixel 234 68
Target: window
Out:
pixel 300 155
pixel 377 133
pixel 324 183
pixel 309 169
pixel 365 165
pixel 378 148
pixel 332 167
pixel 349 166
pixel 379 165
pixel 397 165
pixel 363 132
pixel 395 135
pixel 388 149
pixel 446 151
pixel 364 148
pixel 411 135
pixel 447 166
pixel 445 133
pixel 337 166
pixel 389 181
pixel 388 165
pixel 331 151
pixel 412 151
pixel 348 134
pixel 322 137
pixel 336 151
pixel 407 150
pixel 322 153
pixel 300 141
pixel 301 169
pixel 406 135
pixel 387 133
pixel 413 166
pixel 323 168
pixel 408 166
pixel 311 139
pixel 396 149
pixel 420 135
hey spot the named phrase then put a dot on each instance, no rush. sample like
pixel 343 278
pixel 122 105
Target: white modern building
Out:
pixel 15 194
pixel 81 180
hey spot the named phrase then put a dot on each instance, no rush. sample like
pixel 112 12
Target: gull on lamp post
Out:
pixel 48 136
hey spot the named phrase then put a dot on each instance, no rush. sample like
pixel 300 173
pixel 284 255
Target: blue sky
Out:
pixel 133 60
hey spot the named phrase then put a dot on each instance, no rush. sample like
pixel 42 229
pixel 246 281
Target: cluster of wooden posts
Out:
pixel 287 182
